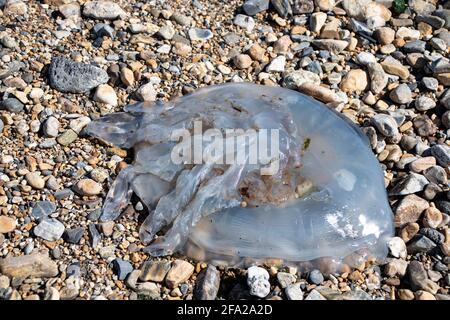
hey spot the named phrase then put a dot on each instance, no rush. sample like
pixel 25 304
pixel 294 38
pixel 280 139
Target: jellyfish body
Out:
pixel 201 204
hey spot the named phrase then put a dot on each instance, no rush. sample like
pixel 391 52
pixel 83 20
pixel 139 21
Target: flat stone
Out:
pixel 33 265
pixel 415 46
pixel 419 244
pixel 66 75
pixel 378 78
pixel 107 10
pixel 315 295
pixel 154 271
pixel 283 7
pixel 422 164
pixel 335 46
pixel 295 79
pixel 207 285
pixel 49 229
pixel 180 272
pixel 411 183
pixel 197 34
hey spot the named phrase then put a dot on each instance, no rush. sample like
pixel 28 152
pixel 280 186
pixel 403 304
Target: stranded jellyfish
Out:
pixel 242 173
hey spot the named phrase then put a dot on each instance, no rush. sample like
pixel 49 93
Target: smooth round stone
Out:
pixel 7 224
pixel 88 187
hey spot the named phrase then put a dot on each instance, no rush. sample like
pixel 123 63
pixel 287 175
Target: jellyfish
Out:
pixel 241 173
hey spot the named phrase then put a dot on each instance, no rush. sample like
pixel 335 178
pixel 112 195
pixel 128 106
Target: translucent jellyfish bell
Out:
pixel 327 201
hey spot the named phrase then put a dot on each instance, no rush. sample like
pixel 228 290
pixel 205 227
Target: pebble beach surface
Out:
pixel 384 64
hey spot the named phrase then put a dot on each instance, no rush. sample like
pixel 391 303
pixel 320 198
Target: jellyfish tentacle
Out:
pixel 119 195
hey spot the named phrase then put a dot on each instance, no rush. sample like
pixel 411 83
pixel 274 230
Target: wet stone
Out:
pixel 316 277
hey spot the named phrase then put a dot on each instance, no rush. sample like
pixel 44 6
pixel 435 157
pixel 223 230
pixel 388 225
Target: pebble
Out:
pixel 207 284
pixel 180 272
pixel 424 103
pixel 74 77
pixel 332 45
pixel 317 21
pixel 316 277
pixel 397 247
pixel 122 268
pixel 432 217
pixel 285 279
pixel 88 187
pixel 442 154
pixel 74 235
pixel 411 183
pixel 409 209
pixel 385 124
pixel 401 94
pixel 105 94
pixel 197 34
pixel 107 10
pixel 33 265
pixel 258 281
pixel 166 32
pixel 242 61
pixel 51 127
pixel 277 64
pixel 315 295
pixel 94 236
pixel 419 279
pixel 7 224
pixel 49 229
pixel 295 79
pixel 252 7
pixel 354 80
pixel 35 180
pixel 147 92
pixel 12 105
pixel 155 271
pixel 294 292
pixel 245 22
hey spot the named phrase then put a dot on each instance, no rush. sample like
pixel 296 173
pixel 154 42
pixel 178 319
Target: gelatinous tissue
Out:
pixel 324 201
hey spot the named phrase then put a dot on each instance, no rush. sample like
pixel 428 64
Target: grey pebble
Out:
pixel 66 75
